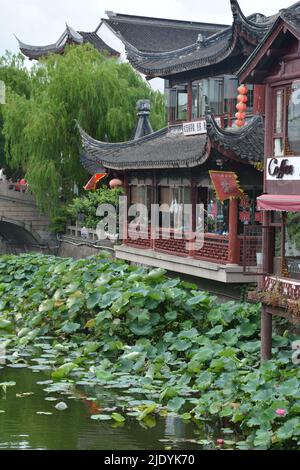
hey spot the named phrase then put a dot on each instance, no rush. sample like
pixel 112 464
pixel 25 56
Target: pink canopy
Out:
pixel 270 202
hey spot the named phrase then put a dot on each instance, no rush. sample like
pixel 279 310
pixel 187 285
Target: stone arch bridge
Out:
pixel 22 226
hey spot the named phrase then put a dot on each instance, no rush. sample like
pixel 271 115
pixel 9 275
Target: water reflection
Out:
pixel 22 428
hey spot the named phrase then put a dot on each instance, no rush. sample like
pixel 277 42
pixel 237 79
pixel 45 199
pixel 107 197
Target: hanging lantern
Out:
pixel 240 116
pixel 115 183
pixel 242 99
pixel 242 90
pixel 241 107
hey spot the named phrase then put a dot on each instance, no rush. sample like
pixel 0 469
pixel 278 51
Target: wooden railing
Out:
pixel 278 293
pixel 286 288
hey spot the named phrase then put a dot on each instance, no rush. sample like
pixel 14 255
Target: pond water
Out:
pixel 23 427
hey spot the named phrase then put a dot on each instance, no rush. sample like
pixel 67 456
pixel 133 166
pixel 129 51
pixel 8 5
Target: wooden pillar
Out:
pixel 266 318
pixel 125 220
pixel 266 335
pixel 190 101
pixel 170 108
pixel 283 267
pixel 259 99
pixel 153 215
pixel 193 202
pixel 234 248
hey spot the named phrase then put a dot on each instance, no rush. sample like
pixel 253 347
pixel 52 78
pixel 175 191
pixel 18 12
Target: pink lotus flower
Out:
pixel 220 442
pixel 281 412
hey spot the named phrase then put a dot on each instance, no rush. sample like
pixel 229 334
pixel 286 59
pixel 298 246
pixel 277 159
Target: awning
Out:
pixel 270 202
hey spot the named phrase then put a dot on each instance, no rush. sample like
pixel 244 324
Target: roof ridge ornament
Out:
pixel 236 10
pixel 110 14
pixel 143 127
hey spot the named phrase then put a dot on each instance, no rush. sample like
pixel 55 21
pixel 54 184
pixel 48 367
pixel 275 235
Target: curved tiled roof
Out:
pixel 237 40
pixel 246 143
pixel 162 149
pixel 158 34
pixel 172 149
pixel 68 36
pixel 291 17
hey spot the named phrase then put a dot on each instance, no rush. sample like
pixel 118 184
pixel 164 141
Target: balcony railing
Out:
pixel 279 293
pixel 215 248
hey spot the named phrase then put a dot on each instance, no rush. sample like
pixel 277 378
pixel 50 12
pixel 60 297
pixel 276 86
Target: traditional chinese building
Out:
pixel 276 65
pixel 169 167
pixel 174 165
pixel 117 30
pixel 207 67
pixel 69 36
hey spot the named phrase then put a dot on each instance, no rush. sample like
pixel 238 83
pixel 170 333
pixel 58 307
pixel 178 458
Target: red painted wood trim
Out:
pixel 234 243
pixel 260 54
pixel 259 99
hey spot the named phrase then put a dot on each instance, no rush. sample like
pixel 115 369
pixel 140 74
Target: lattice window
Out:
pixel 252 249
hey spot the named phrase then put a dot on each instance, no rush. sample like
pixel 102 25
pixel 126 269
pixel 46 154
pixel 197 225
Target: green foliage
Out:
pixel 115 325
pixel 17 79
pixel 293 225
pixel 87 205
pixel 40 131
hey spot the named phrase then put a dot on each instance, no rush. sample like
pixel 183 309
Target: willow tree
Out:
pixel 84 86
pixel 16 77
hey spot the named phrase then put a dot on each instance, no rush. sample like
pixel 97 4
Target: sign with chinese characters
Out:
pixel 226 185
pixel 197 127
pixel 283 169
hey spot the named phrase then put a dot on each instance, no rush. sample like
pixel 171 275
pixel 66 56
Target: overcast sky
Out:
pixel 40 22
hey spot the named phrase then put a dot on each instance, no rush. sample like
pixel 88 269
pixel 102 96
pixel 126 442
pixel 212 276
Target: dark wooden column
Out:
pixel 190 101
pixel 234 247
pixel 153 201
pixel 266 318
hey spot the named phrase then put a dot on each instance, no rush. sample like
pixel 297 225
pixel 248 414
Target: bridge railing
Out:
pixel 76 231
pixel 15 190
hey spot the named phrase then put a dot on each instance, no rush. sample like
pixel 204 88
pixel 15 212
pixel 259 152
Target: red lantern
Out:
pixel 240 116
pixel 242 99
pixel 243 90
pixel 241 107
pixel 240 123
pixel 115 183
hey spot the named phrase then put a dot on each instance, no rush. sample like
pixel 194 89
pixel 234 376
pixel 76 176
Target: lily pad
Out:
pixel 101 417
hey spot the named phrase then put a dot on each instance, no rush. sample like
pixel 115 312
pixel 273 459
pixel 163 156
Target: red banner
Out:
pixel 92 184
pixel 226 185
